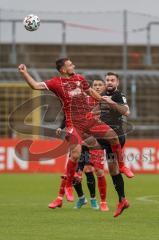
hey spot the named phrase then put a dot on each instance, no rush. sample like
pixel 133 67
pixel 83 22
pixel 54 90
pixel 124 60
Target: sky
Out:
pixel 148 6
pixel 109 25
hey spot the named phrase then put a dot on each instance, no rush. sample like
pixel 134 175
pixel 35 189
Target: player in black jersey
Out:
pixel 113 113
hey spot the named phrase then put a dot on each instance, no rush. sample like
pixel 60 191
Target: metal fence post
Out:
pixel 13 56
pixel 133 98
pixel 63 47
pixel 125 64
pixel 148 51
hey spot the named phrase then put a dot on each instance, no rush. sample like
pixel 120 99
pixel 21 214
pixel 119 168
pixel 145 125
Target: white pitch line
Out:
pixel 148 199
pixel 18 204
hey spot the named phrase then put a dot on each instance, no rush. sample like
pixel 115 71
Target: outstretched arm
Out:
pixel 94 94
pixel 121 108
pixel 28 78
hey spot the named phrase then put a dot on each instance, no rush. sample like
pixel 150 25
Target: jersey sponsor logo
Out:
pixel 75 92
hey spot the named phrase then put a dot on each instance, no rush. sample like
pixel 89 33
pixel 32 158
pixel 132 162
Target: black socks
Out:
pixel 119 185
pixel 91 183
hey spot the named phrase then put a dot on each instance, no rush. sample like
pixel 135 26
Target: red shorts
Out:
pixel 97 159
pixel 92 127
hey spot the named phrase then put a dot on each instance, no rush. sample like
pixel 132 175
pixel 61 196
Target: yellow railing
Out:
pixel 13 95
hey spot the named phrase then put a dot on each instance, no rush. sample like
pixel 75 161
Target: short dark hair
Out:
pixel 60 63
pixel 112 74
pixel 99 79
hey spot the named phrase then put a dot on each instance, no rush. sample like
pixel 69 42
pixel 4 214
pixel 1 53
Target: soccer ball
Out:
pixel 31 22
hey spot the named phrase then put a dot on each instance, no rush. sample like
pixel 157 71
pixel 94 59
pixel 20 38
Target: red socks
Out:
pixel 121 163
pixel 62 187
pixel 71 168
pixel 102 186
pixel 116 149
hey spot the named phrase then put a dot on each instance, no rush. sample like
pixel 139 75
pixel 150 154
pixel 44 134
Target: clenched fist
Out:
pixel 22 68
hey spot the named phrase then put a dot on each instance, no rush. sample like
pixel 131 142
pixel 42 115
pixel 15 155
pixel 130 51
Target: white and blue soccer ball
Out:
pixel 31 22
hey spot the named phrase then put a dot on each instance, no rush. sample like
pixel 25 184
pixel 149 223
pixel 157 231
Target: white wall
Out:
pixel 108 20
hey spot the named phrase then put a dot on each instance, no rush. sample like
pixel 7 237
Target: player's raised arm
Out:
pixel 28 78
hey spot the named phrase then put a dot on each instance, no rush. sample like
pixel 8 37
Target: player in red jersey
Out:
pixel 95 162
pixel 72 90
pixel 89 161
pixel 97 156
pixel 83 161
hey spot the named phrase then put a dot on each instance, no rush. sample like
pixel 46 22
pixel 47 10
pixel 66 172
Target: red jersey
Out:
pixel 92 102
pixel 72 93
pixel 96 156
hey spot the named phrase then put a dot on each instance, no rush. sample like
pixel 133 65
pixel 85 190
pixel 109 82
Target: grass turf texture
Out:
pixel 24 213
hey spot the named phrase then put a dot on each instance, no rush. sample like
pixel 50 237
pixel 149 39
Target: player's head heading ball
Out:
pixel 65 66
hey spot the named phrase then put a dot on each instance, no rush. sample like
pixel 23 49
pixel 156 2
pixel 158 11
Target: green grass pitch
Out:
pixel 24 213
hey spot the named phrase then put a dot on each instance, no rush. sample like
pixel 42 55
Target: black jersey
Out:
pixel 111 116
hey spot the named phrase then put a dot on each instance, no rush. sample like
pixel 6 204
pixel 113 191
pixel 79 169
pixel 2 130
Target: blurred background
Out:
pixel 109 38
pixel 98 36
